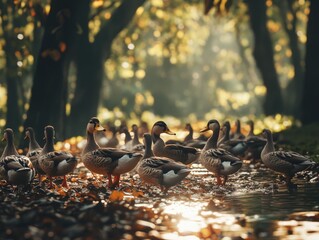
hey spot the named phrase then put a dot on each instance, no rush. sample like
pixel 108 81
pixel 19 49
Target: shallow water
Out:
pixel 266 213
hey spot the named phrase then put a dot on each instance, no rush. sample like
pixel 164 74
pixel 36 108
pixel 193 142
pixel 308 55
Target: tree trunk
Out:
pixel 48 94
pixel 90 65
pixel 310 98
pixel 264 56
pixel 14 102
pixel 293 92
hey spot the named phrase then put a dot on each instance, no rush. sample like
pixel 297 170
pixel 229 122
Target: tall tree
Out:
pixel 293 92
pixel 264 56
pixel 90 63
pixel 310 98
pixel 14 104
pixel 49 89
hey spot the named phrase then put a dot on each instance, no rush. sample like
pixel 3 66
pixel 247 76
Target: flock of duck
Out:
pixel 164 164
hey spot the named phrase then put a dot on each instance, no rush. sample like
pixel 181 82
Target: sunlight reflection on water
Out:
pixel 248 216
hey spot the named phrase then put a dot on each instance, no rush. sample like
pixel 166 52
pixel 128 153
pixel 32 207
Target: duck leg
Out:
pixel 50 185
pixel 219 180
pixel 116 182
pixel 289 184
pixel 109 177
pixel 65 183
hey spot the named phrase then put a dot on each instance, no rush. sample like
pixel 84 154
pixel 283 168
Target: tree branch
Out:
pixel 121 17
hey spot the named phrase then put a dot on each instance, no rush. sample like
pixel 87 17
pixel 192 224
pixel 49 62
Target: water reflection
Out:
pixel 248 216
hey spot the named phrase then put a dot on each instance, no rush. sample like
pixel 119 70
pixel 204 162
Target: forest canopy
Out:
pixel 124 60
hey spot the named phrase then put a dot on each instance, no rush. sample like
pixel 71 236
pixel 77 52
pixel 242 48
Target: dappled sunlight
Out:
pixel 297 229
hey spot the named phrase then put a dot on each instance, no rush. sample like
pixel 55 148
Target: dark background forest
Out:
pixel 64 61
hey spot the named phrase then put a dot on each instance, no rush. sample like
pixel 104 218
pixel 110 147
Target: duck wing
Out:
pixel 164 164
pixel 14 162
pixel 291 157
pixel 111 153
pixel 222 154
pixel 181 149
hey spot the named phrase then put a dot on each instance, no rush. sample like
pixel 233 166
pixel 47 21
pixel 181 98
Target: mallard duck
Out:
pixel 216 159
pixel 106 161
pixel 183 154
pixel 14 168
pixel 160 171
pixel 236 147
pixel 34 151
pixel 287 163
pixel 189 140
pixel 55 163
pixel 237 134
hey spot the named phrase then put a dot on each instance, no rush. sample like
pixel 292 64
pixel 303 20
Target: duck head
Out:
pixel 211 125
pixel 94 125
pixel 161 127
pixel 29 133
pixel 49 132
pixel 8 135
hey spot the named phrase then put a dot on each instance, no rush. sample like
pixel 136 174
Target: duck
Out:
pixel 178 153
pixel 127 139
pixel 55 163
pixel 189 140
pixel 256 144
pixel 108 138
pixel 161 171
pixel 34 151
pixel 14 168
pixel 107 161
pixel 218 160
pixel 136 144
pixel 287 163
pixel 113 141
pixel 237 134
pixel 235 146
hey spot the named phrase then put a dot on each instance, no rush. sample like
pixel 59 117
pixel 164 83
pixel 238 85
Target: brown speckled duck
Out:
pixel 215 159
pixel 14 168
pixel 55 163
pixel 34 151
pixel 285 162
pixel 106 161
pixel 160 171
pixel 179 153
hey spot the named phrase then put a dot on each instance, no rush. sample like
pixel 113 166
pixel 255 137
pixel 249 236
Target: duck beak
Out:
pixel 204 129
pixel 99 128
pixel 169 132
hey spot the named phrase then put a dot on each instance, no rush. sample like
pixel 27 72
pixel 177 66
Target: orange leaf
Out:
pixel 137 193
pixel 116 196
